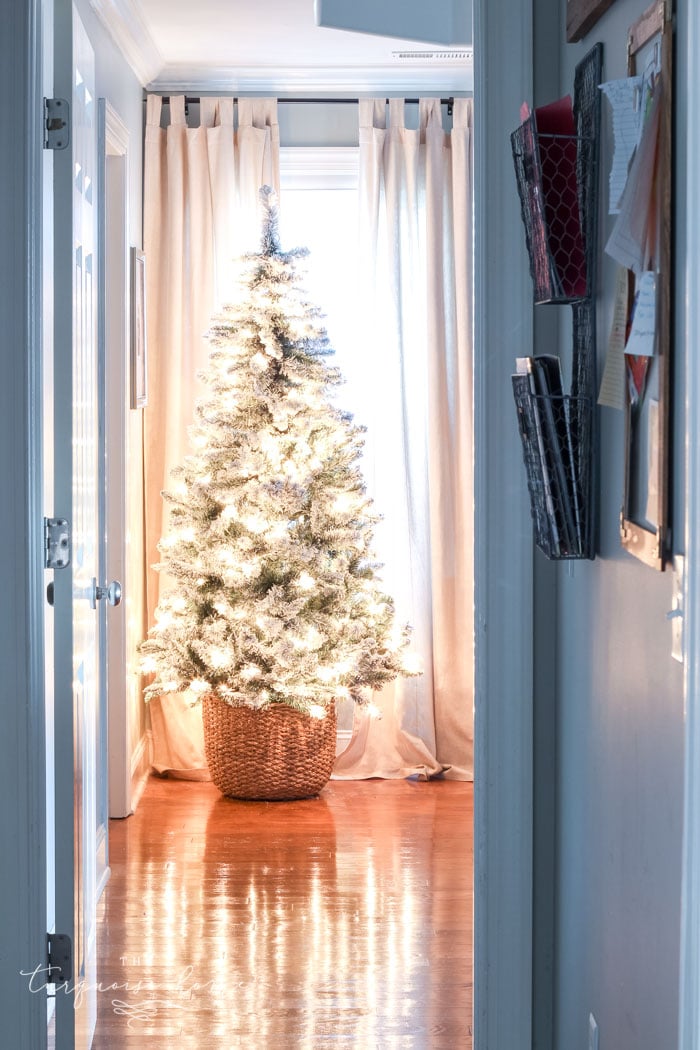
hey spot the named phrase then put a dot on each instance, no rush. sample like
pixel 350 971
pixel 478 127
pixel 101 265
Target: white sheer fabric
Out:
pixel 200 213
pixel 416 357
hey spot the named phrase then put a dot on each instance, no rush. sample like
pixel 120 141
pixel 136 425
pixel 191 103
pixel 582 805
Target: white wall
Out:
pixel 619 726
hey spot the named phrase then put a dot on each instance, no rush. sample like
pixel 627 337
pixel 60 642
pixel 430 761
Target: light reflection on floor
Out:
pixel 342 921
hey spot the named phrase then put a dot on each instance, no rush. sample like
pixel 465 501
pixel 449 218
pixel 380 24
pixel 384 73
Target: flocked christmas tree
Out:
pixel 274 595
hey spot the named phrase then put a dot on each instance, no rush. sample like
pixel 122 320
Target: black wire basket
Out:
pixel 555 441
pixel 557 179
pixel 546 172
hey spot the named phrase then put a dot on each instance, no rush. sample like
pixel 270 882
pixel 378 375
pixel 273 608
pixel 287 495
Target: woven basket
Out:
pixel 274 753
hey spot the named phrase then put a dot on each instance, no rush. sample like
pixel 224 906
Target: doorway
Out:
pixel 427 789
pixel 504 842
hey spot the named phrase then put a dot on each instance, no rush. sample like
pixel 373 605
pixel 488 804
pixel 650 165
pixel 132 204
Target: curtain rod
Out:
pixel 195 99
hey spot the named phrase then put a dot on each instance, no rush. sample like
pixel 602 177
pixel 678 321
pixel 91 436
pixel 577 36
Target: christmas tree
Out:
pixel 274 595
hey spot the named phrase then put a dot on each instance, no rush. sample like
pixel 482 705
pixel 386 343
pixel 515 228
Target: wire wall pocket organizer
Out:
pixel 557 177
pixel 545 167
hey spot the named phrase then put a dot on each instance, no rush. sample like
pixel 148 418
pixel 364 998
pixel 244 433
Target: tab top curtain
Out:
pixel 416 360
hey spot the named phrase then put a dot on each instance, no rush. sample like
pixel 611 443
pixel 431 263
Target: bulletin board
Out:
pixel 582 15
pixel 644 517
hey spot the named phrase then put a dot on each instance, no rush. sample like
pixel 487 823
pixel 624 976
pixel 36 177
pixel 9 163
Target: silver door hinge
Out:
pixel 57 542
pixel 624 532
pixel 56 123
pixel 59 958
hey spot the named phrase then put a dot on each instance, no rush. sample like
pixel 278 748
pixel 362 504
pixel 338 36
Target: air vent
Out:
pixel 461 55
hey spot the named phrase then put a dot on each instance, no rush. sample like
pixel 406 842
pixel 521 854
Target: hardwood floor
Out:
pixel 342 921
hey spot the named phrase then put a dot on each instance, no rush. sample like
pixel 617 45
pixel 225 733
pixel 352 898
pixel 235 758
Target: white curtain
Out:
pixel 200 213
pixel 416 359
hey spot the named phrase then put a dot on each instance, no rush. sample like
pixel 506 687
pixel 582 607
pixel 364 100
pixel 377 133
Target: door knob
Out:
pixel 113 593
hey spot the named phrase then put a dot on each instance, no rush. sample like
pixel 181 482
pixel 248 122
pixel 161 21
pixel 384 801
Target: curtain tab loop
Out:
pixel 397 113
pixel 154 106
pixel 257 112
pixel 372 113
pixel 226 112
pixel 462 113
pixel 177 110
pixel 429 113
pixel 208 112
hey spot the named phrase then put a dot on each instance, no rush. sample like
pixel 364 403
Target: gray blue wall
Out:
pixel 618 721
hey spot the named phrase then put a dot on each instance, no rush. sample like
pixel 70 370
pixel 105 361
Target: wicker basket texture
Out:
pixel 275 753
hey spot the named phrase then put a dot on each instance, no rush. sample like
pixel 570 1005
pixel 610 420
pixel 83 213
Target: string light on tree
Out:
pixel 274 596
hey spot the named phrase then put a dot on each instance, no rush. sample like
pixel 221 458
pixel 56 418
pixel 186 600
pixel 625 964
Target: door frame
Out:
pixel 113 335
pixel 503 761
pixel 22 741
pixel 689 1009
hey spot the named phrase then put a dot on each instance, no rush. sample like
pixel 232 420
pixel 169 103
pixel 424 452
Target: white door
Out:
pixel 76 486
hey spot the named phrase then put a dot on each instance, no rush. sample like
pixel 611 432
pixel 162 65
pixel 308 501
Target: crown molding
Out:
pixel 446 78
pixel 126 27
pixel 322 167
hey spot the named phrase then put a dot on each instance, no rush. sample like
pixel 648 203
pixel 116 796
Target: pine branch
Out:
pixel 270 242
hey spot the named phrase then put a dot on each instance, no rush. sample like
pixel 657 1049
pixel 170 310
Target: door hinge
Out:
pixel 57 539
pixel 59 958
pixel 56 123
pixel 624 532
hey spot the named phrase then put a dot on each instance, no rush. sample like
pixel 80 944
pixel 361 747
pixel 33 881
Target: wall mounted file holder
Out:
pixel 557 177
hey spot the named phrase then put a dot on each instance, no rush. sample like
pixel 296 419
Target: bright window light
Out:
pixel 319 210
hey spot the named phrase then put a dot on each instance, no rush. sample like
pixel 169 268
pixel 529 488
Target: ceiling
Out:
pixel 272 46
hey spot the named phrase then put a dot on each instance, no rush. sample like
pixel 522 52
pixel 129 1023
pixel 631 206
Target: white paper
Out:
pixel 650 76
pixel 613 385
pixel 633 237
pixel 624 97
pixel 642 340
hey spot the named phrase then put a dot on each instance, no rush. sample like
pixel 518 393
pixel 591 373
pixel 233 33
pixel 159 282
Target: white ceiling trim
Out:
pixel 407 77
pixel 319 167
pixel 127 28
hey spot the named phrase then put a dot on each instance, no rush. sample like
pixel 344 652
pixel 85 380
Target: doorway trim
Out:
pixel 689 1008
pixel 503 808
pixel 114 353
pixel 22 747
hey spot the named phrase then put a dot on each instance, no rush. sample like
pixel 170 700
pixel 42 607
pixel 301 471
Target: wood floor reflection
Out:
pixel 342 921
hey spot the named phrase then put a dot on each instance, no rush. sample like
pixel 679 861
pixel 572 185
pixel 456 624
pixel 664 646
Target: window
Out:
pixel 320 211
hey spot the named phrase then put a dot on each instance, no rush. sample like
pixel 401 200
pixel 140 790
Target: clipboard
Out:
pixel 647 422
